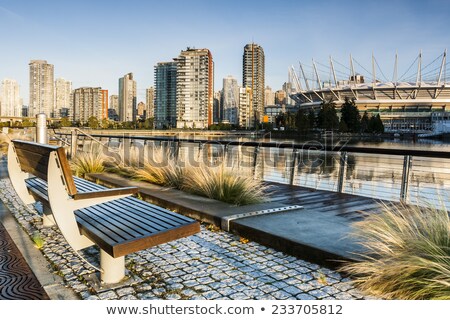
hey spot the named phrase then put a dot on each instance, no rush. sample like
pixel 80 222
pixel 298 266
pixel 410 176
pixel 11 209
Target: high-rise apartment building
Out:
pixel 114 103
pixel 127 98
pixel 150 102
pixel 141 110
pixel 217 107
pixel 104 107
pixel 230 100
pixel 10 101
pixel 269 96
pixel 87 102
pixel 253 78
pixel 41 88
pixel 280 97
pixel 63 91
pixel 245 116
pixel 165 95
pixel 289 89
pixel 195 88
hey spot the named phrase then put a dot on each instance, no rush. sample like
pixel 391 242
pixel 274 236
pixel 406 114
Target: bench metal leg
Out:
pixel 113 268
pixel 47 217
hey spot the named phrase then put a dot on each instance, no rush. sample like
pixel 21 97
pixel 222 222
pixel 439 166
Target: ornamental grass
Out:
pixel 219 183
pixel 407 253
pixel 88 162
pixel 162 169
pixel 224 184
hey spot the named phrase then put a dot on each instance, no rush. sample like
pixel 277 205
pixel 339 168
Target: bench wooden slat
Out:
pixel 34 163
pixel 150 219
pixel 105 193
pixel 142 243
pixel 86 185
pixel 107 224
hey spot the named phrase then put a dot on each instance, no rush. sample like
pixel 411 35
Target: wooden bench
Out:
pixel 87 213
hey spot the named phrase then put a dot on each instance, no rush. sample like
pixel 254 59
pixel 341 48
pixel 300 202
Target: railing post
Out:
pixel 225 152
pixel 342 171
pixel 255 160
pixel 407 162
pixel 175 149
pixel 127 150
pixel 41 128
pixel 294 166
pixel 73 143
pixel 200 149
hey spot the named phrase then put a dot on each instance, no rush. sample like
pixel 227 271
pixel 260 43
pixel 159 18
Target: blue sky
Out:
pixel 93 43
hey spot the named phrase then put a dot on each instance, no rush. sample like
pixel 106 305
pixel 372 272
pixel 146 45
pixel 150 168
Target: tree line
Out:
pixel 327 119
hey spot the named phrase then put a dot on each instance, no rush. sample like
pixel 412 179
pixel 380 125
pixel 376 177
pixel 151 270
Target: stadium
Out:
pixel 416 102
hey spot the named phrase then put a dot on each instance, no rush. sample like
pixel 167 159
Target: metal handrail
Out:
pixel 340 152
pixel 285 145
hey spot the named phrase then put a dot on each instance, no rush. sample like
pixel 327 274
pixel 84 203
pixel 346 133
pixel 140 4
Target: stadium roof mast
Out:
pixel 395 76
pixel 317 75
pixel 444 58
pixel 352 69
pixel 374 76
pixel 293 78
pixel 304 77
pixel 334 72
pixel 419 70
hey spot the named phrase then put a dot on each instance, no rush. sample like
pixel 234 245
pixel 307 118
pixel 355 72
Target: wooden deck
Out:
pixel 351 207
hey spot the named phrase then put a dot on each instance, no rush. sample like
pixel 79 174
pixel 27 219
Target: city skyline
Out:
pixel 289 32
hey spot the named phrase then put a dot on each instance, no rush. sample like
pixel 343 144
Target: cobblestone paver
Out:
pixel 209 265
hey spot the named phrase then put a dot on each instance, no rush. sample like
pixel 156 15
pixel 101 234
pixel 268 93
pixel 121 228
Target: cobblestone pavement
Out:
pixel 210 265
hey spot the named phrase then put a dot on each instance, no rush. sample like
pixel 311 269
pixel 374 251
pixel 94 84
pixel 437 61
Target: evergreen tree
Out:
pixel 302 122
pixel 312 119
pixel 343 126
pixel 365 122
pixel 350 115
pixel 378 124
pixel 327 118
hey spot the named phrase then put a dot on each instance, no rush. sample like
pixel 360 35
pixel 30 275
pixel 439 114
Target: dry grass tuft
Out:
pixel 219 183
pixel 88 162
pixel 224 184
pixel 161 169
pixel 407 253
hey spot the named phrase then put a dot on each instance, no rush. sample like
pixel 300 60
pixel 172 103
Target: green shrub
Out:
pixel 407 253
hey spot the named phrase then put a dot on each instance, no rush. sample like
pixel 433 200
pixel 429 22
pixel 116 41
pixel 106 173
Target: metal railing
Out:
pixel 381 173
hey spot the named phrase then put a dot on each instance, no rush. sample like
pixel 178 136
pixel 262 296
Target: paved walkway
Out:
pixel 210 265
